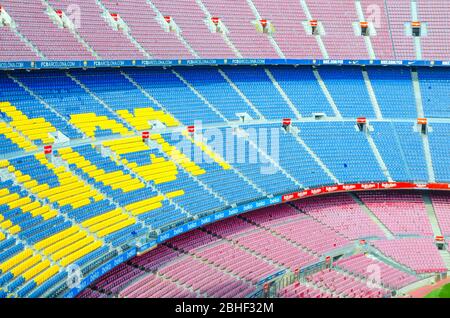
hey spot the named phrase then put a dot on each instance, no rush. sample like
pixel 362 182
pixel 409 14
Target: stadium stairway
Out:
pixel 388 260
pixel 259 251
pixel 250 227
pixel 241 94
pixel 75 33
pixel 294 132
pixel 151 173
pixel 127 33
pixel 270 37
pixel 224 35
pixel 327 93
pixel 116 180
pixel 29 43
pixel 373 98
pixel 146 94
pixel 225 168
pixel 417 39
pixel 200 96
pixel 306 249
pixel 283 93
pixel 445 257
pixel 431 214
pixel 270 159
pixel 186 164
pixel 319 39
pixel 367 39
pixel 399 46
pixel 435 226
pixel 421 114
pixel 179 34
pixel 373 217
pixel 360 279
pixel 378 156
pixel 304 289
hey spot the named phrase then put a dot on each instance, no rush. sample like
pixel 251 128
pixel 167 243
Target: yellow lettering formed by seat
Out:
pixel 142 116
pixel 116 179
pixel 46 275
pixel 16 138
pixel 32 128
pixel 90 122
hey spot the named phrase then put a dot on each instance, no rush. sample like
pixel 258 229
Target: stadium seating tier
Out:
pixel 145 29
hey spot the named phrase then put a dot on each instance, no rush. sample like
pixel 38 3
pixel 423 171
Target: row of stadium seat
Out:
pixel 36 129
pixel 53 179
pixel 146 36
pixel 11 141
pixel 91 202
pixel 61 218
pixel 119 105
pixel 234 246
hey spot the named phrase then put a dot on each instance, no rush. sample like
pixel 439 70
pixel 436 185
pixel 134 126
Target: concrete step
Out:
pixel 446 258
pixel 417 39
pixel 327 94
pixel 431 214
pixel 319 40
pixel 283 93
pixel 372 216
pixel 224 35
pixel 367 39
pixel 271 39
pixel 420 114
pixel 242 95
pixel 179 34
pixel 373 98
pixel 378 156
pixel 313 155
pixel 200 96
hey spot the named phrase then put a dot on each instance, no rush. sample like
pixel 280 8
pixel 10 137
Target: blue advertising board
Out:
pixel 192 62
